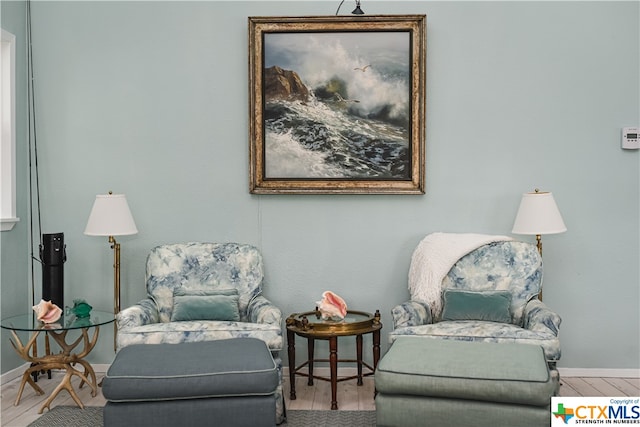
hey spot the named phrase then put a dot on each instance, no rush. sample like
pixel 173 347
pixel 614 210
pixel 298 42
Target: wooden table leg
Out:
pixel 291 346
pixel 376 348
pixel 333 365
pixel 376 355
pixel 310 355
pixel 359 357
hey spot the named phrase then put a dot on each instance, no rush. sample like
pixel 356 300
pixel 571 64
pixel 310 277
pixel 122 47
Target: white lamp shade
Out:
pixel 538 214
pixel 110 216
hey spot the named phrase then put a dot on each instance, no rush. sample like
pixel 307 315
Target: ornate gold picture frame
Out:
pixel 337 104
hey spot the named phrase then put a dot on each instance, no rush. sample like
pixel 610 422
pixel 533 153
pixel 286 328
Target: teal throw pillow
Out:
pixel 205 304
pixel 493 306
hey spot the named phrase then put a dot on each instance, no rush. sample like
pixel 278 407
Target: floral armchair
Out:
pixel 202 292
pixel 490 293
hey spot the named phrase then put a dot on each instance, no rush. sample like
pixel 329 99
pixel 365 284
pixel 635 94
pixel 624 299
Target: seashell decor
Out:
pixel 47 312
pixel 332 306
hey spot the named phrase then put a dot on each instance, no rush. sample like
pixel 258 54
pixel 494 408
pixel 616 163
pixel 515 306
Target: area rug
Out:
pixel 91 416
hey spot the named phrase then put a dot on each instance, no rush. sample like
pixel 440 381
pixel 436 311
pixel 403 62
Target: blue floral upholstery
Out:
pixel 203 266
pixel 505 265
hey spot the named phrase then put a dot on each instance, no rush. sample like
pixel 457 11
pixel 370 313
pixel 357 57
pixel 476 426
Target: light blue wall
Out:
pixel 14 244
pixel 150 99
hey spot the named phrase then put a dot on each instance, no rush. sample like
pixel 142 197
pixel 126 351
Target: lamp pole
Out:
pixel 116 274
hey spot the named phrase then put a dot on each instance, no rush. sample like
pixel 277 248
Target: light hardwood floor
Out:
pixel 318 396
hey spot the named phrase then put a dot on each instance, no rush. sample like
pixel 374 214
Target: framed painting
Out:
pixel 337 104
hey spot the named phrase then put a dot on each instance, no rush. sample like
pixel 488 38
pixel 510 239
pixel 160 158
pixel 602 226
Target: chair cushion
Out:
pixel 477 330
pixel 234 367
pixel 507 373
pixel 491 306
pixel 200 330
pixel 205 304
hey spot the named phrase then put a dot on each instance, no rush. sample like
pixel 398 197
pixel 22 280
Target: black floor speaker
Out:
pixel 53 254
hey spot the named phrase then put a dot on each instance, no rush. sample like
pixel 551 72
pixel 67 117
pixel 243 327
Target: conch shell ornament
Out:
pixel 332 306
pixel 47 312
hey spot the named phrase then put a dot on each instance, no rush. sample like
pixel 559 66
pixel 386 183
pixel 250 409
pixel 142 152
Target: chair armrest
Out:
pixel 144 312
pixel 411 313
pixel 540 318
pixel 261 310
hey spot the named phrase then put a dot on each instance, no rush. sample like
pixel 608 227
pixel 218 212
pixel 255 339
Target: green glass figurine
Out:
pixel 81 308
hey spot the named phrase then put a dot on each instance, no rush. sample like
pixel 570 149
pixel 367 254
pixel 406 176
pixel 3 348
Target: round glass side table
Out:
pixel 66 359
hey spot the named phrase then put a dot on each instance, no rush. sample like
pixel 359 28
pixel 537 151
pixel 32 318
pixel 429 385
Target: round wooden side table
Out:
pixel 310 325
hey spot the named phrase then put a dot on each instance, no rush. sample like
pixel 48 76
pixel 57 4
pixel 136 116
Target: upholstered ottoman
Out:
pixel 433 382
pixel 228 382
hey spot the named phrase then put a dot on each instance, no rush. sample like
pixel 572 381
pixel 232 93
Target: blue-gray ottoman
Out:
pixel 229 382
pixel 434 382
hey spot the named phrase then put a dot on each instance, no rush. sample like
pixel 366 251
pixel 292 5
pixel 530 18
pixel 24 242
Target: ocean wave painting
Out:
pixel 337 105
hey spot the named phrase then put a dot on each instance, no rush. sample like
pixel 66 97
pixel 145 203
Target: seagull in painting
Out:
pixel 341 99
pixel 363 69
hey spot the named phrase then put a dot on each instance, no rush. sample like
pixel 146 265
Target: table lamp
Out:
pixel 538 214
pixel 110 216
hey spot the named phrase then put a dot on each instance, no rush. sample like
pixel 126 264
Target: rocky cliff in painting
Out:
pixel 284 84
pixel 338 128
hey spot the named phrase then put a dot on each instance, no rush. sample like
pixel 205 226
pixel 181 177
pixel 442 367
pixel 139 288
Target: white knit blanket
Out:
pixel 433 258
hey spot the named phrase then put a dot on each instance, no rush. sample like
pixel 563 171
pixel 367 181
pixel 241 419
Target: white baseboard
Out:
pixel 17 372
pixel 348 371
pixel 13 374
pixel 599 372
pixel 324 371
pixel 101 367
pixel 565 372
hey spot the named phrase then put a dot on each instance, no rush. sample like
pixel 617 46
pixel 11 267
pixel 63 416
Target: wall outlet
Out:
pixel 630 139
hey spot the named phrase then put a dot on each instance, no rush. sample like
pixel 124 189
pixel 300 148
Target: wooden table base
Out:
pixel 63 360
pixel 331 332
